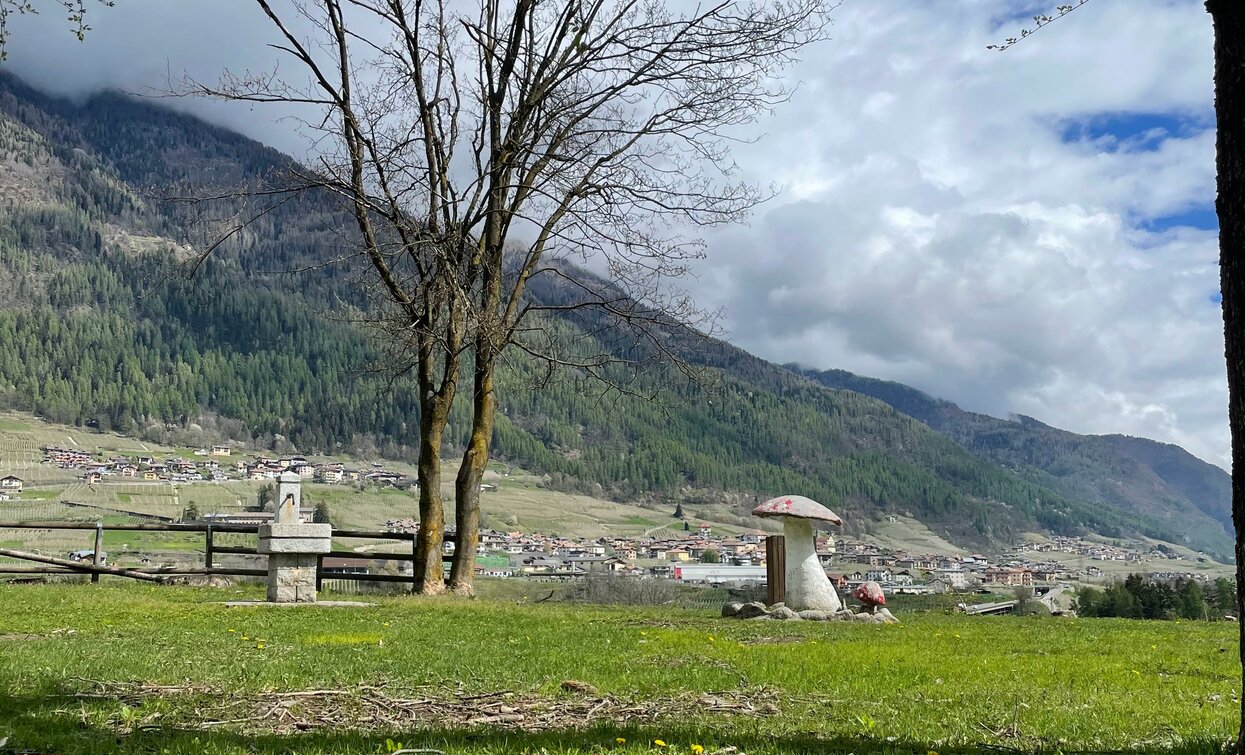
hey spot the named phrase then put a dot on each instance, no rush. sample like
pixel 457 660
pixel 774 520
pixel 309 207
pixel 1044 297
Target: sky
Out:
pixel 1025 232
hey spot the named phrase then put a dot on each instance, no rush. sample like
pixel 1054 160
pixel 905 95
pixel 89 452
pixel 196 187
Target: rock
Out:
pixel 779 604
pixel 782 613
pixel 863 617
pixel 752 610
pixel 845 614
pixel 886 616
pixel 813 614
pixel 574 685
pixel 762 617
pixel 731 610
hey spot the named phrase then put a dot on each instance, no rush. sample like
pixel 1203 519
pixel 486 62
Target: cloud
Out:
pixel 941 224
pixel 1003 230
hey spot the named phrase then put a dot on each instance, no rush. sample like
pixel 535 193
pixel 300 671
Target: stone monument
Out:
pixel 292 546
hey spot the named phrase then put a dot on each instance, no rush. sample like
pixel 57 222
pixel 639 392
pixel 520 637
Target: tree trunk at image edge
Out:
pixel 429 571
pixel 1229 21
pixel 467 484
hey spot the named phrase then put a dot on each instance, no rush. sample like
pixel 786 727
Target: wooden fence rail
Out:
pixel 56 566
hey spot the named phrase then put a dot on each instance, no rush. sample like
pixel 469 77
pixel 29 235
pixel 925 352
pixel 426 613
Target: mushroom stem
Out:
pixel 807 583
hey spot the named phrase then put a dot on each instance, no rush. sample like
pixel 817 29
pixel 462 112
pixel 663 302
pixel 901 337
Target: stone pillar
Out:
pixel 292 546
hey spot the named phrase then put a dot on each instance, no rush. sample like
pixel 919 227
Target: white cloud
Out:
pixel 937 230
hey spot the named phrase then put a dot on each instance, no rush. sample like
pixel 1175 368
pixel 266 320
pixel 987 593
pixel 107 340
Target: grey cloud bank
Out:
pixel 934 226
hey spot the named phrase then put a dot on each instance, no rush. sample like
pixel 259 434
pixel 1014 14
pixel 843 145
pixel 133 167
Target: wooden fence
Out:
pixel 48 565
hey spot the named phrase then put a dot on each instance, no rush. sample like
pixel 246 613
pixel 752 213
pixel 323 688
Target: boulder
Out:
pixel 782 613
pixel 731 610
pixel 863 618
pixel 886 616
pixel 813 614
pixel 752 610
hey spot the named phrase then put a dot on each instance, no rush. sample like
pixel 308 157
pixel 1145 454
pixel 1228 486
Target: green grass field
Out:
pixel 135 669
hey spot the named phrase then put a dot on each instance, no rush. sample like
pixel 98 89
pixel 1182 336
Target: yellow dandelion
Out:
pixel 659 743
pixel 711 639
pixel 620 740
pixel 246 639
pixel 386 624
pixel 233 631
pixel 698 749
pixel 259 647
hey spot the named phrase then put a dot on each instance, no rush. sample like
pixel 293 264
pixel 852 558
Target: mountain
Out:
pixel 1126 474
pixel 102 326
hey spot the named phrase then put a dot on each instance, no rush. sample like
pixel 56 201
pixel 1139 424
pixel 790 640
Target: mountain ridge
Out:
pixel 1149 471
pixel 104 329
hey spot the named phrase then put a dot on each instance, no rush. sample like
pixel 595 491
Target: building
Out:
pixel 332 475
pixel 1009 576
pixel 11 484
pixel 221 451
pixel 719 574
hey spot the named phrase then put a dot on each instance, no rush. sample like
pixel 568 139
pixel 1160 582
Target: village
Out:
pixel 687 552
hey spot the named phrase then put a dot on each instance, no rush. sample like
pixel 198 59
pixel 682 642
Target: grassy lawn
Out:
pixel 137 669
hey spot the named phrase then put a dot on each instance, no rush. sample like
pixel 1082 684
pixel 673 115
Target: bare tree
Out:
pixel 477 145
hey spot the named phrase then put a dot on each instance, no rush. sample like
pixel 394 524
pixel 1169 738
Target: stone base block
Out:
pixel 292 578
pixel 295 545
pixel 295 529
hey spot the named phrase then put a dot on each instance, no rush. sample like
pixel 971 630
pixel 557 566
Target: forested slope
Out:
pixel 1193 499
pixel 101 325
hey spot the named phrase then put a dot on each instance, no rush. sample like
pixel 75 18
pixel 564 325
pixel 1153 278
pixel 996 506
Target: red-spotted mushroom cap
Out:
pixel 799 507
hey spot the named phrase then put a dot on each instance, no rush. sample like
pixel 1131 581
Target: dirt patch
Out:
pixel 378 708
pixel 27 636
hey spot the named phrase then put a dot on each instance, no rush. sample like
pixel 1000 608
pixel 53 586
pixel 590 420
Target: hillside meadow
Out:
pixel 139 669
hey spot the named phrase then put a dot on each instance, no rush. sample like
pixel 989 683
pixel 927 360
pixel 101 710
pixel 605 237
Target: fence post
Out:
pixel 776 568
pixel 208 546
pixel 99 549
pixel 414 555
pixel 319 573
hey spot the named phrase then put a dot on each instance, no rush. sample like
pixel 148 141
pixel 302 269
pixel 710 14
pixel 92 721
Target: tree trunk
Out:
pixel 1229 21
pixel 429 572
pixel 467 484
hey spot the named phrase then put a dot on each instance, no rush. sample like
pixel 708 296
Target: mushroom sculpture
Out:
pixel 807 584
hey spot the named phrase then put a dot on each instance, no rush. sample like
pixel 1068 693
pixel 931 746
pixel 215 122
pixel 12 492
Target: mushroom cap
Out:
pixel 797 506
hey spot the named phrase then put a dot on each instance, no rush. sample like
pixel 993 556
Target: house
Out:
pixel 88 555
pixel 221 451
pixel 303 470
pixel 1011 577
pixel 11 484
pixel 878 575
pixel 838 580
pixel 334 565
pixel 331 475
pixel 4 496
pixel 150 475
pixel 92 478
